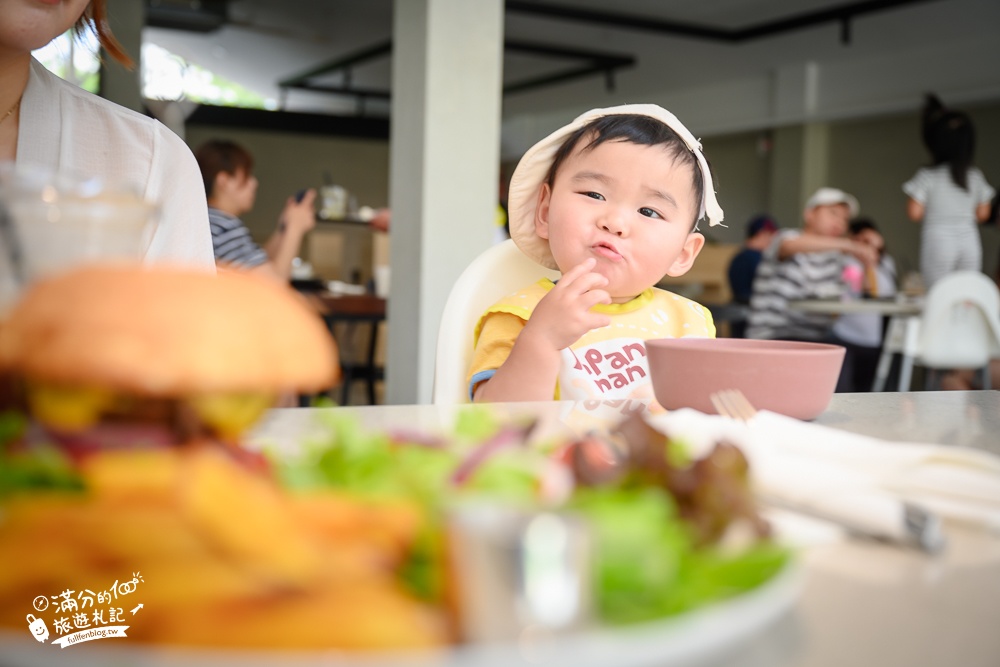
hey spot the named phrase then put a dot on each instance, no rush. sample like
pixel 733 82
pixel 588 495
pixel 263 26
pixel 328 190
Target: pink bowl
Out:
pixel 790 378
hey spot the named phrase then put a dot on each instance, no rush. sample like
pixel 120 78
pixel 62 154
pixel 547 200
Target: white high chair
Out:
pixel 959 328
pixel 960 325
pixel 498 271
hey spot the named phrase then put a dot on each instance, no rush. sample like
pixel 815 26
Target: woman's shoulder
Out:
pixel 90 113
pixel 87 133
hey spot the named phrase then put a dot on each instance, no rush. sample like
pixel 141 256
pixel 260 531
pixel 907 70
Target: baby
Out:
pixel 612 201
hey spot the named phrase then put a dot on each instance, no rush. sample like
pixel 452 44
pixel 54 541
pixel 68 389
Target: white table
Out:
pixel 891 308
pixel 901 336
pixel 864 604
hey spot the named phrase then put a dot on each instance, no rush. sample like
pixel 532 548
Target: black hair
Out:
pixel 759 223
pixel 859 225
pixel 635 129
pixel 950 138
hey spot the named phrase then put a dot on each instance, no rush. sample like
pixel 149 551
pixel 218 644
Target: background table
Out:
pixel 900 335
pixel 863 604
pixel 886 307
pixel 351 309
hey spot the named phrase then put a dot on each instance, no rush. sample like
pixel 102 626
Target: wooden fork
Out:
pixel 734 404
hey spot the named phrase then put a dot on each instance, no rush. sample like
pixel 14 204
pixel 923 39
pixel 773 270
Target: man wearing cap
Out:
pixel 806 263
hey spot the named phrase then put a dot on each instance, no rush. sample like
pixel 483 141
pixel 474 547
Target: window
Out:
pixel 167 76
pixel 74 58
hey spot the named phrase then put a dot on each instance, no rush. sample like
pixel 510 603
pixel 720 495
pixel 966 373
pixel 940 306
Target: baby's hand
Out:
pixel 563 315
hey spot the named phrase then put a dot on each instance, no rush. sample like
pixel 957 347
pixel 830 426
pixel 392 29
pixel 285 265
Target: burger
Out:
pixel 127 352
pixel 138 383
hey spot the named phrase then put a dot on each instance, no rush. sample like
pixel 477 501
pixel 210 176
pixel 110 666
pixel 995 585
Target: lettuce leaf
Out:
pixel 647 565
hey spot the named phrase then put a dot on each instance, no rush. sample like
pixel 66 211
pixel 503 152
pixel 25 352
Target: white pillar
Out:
pixel 446 96
pixel 815 159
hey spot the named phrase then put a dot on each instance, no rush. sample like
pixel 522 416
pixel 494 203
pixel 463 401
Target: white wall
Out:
pixel 946 47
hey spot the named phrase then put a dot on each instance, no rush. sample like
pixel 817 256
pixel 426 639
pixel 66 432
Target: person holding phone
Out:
pixel 231 189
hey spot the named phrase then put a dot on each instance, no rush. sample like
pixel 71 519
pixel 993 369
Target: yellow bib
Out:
pixel 605 363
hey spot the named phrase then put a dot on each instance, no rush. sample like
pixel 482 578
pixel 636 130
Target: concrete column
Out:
pixel 446 98
pixel 800 162
pixel 784 192
pixel 120 85
pixel 815 159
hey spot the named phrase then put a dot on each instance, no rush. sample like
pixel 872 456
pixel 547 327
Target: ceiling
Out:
pixel 679 48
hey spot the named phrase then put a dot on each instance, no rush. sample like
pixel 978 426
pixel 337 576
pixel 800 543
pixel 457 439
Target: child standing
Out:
pixel 950 197
pixel 611 200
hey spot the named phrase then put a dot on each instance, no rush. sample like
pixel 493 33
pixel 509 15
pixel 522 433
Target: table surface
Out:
pixel 863 603
pixel 349 303
pixel 842 306
pixel 358 306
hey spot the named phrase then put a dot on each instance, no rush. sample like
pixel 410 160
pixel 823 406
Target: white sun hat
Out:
pixel 531 171
pixel 830 196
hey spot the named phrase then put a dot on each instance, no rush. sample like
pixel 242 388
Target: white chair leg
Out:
pixel 894 341
pixel 905 373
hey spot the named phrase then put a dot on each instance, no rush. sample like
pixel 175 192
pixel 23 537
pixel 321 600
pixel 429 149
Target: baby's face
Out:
pixel 629 206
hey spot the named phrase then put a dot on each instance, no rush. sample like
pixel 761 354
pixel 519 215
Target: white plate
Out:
pixel 694 638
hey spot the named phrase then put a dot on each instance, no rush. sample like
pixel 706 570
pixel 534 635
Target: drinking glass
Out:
pixel 52 221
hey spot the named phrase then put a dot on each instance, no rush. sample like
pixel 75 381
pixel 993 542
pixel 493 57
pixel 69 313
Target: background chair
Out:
pixel 902 337
pixel 497 272
pixel 960 326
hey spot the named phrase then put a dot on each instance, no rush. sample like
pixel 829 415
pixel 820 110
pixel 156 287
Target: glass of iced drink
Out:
pixel 52 221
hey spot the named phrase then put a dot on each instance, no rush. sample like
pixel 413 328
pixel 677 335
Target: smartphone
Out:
pixel 300 194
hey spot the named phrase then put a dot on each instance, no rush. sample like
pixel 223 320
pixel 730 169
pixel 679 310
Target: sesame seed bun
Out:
pixel 167 332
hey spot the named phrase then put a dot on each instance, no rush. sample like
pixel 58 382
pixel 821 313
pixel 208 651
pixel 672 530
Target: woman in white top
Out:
pixel 950 197
pixel 47 122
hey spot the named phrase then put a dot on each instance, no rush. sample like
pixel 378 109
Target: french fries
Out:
pixel 228 559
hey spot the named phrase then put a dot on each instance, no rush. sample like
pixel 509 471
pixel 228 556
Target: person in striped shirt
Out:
pixel 231 188
pixel 806 263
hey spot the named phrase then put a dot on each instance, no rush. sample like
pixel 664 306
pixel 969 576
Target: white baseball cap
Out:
pixel 525 184
pixel 830 196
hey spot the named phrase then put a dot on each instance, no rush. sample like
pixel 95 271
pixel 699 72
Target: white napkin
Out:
pixel 858 479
